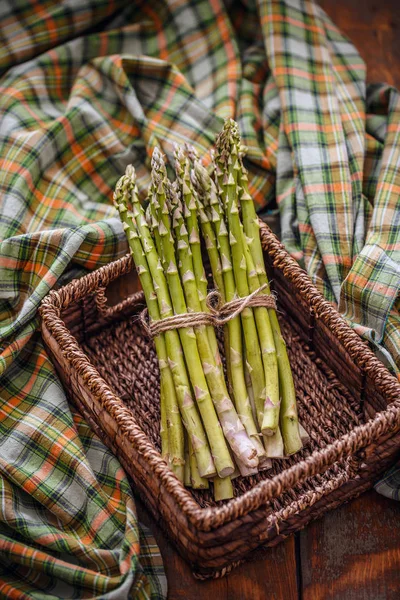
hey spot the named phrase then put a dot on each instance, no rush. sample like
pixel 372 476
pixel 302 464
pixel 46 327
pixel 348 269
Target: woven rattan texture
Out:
pixel 127 361
pixel 351 410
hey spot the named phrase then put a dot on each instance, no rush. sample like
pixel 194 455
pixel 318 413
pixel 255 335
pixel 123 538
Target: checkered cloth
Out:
pixel 89 87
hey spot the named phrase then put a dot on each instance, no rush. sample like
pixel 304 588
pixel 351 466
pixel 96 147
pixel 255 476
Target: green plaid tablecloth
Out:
pixel 88 87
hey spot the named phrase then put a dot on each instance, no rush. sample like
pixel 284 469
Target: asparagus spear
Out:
pixel 164 398
pixel 215 263
pixel 240 443
pixel 220 452
pixel 274 445
pixel 223 489
pixel 237 264
pixel 196 481
pixel 187 480
pixel 270 422
pixel 151 218
pixel 209 237
pixel 154 286
pixel 171 425
pixel 182 169
pixel 234 351
pixel 288 412
pixel 228 162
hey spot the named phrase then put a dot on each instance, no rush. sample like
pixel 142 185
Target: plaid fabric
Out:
pixel 87 88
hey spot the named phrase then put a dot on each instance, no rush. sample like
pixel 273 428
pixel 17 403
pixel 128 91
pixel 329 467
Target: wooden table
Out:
pixel 353 553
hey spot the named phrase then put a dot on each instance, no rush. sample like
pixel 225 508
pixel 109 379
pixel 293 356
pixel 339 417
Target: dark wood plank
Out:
pixel 272 578
pixel 373 26
pixel 353 553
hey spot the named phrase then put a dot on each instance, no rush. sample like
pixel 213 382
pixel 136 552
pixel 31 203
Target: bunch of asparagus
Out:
pixel 211 428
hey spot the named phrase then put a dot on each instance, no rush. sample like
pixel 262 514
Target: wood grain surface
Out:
pixel 273 579
pixel 373 26
pixel 352 553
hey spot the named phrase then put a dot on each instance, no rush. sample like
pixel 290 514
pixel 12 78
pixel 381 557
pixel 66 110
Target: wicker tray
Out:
pixel 348 402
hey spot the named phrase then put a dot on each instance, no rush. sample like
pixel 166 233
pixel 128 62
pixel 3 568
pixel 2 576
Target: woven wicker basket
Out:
pixel 348 402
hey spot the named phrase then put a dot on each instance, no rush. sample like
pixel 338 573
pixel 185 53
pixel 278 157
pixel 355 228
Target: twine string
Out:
pixel 218 316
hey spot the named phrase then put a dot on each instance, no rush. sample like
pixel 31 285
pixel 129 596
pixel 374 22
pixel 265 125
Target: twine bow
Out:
pixel 219 314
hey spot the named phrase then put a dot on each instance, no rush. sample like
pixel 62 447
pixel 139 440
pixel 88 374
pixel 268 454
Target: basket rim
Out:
pixel 206 519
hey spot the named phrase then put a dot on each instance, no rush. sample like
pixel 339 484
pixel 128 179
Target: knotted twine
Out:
pixel 219 314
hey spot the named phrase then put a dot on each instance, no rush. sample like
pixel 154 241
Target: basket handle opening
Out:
pixel 109 311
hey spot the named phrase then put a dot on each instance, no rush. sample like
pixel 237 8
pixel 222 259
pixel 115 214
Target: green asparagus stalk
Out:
pixel 249 386
pixel 204 435
pixel 155 286
pixel 220 452
pixel 238 265
pixel 223 489
pixel 171 425
pixel 274 445
pixel 196 481
pixel 210 243
pixel 288 411
pixel 164 398
pixel 187 480
pixel 228 161
pixel 234 432
pixel 234 352
pixel 270 422
pixel 153 224
pixel 265 463
pixel 215 263
pixel 182 169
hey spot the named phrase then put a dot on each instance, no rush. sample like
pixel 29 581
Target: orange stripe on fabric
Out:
pixel 13 167
pixel 15 93
pixel 25 555
pixel 12 593
pixel 332 259
pixel 8 354
pixel 40 360
pixel 231 67
pixel 97 250
pixel 322 188
pixel 161 37
pixel 299 73
pixel 84 160
pixel 285 19
pixel 158 116
pixel 58 73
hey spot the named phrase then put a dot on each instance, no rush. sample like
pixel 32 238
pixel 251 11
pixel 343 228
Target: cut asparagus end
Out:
pixel 270 422
pixel 197 482
pixel 274 445
pixel 223 489
pixel 291 435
